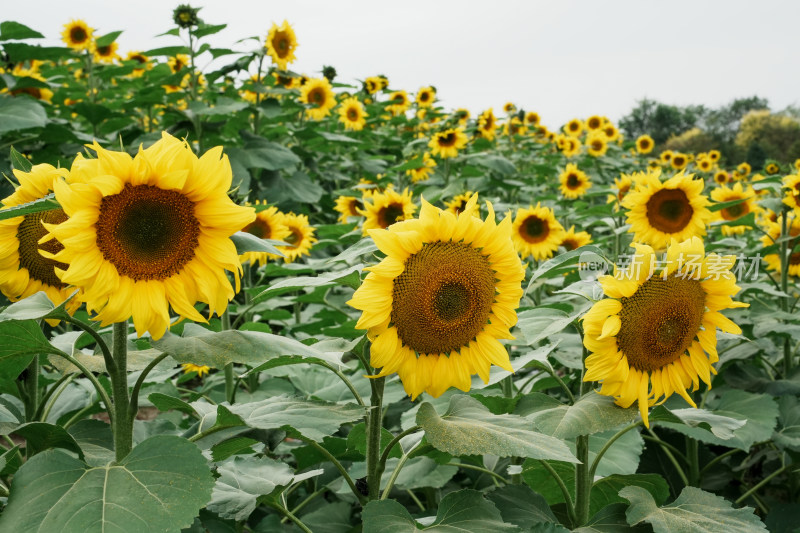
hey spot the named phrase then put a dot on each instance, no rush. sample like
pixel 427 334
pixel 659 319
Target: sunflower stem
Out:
pixel 693 457
pixel 670 456
pixel 290 516
pixel 122 424
pixel 787 352
pixel 563 487
pixel 760 484
pixel 134 405
pixel 374 421
pixel 32 387
pixel 583 483
pixel 230 381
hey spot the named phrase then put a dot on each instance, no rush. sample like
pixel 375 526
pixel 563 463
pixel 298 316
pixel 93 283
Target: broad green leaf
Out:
pixel 21 52
pixel 311 419
pixel 338 137
pixel 569 260
pixel 605 491
pixel 329 518
pixel 519 505
pixel 10 416
pixel 19 161
pixel 357 440
pixel 107 39
pixel 542 482
pixel 159 486
pixel 14 30
pixel 498 163
pixel 348 277
pixel 34 307
pixel 787 435
pixel 164 402
pixel 216 349
pixel 243 479
pixel 223 106
pixel 612 519
pixel 41 436
pixel 469 428
pixel 297 188
pixel 540 323
pixel 693 511
pixel 387 516
pixel 48 203
pixel 137 360
pixel 683 420
pixel 622 457
pixel 422 472
pixel 95 439
pixel 592 413
pixel 203 30
pixel 233 446
pixel 269 156
pixel 361 248
pixel 20 340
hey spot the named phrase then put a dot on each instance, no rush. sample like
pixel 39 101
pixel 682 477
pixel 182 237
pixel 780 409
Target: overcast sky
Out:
pixel 563 59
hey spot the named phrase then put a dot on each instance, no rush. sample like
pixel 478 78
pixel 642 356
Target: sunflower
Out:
pixel 199 369
pixel 300 237
pixel 532 118
pixel 572 147
pixel 461 115
pixel 348 206
pixel 596 144
pixel 77 35
pixel 574 182
pixel 792 185
pixel 514 126
pixel 487 124
pixel 373 84
pixel 644 144
pixel 509 107
pixel 426 96
pixel 595 122
pixel 734 212
pixel 437 305
pixel 674 209
pixel 149 232
pixel 398 103
pixel 744 169
pixel 424 172
pixel 267 225
pixel 678 161
pixel 281 44
pixel 40 93
pixel 352 114
pixel 384 209
pixel 536 232
pixel 317 93
pixel 611 131
pixel 721 177
pixel 142 60
pixel 460 203
pixel 773 233
pixel 623 184
pixel 665 157
pixel 105 54
pixel 178 62
pixel 573 241
pixel 447 143
pixel 714 155
pixel 704 164
pixel 574 127
pixel 772 168
pixel 23 270
pixel 650 337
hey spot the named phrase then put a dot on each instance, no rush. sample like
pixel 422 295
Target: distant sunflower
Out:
pixel 178 62
pixel 105 54
pixel 23 269
pixel 704 164
pixel 573 241
pixel 398 103
pixel 267 225
pixel 644 144
pixel 596 144
pixel 679 161
pixel 791 185
pixel 574 182
pixel 509 107
pixel 773 233
pixel 317 93
pixel 372 84
pixel 622 184
pixel 595 122
pixel 744 169
pixel 772 168
pixel 77 35
pixel 574 127
pixel 281 44
pixel 611 131
pixel 675 209
pixel 426 96
pixel 656 334
pixel 487 124
pixel 536 232
pixel 201 370
pixel 347 207
pixel 437 305
pixel 731 214
pixel 460 203
pixel 665 157
pixel 142 60
pixel 352 114
pixel 572 147
pixel 721 177
pixel 300 238
pixel 532 118
pixel 40 93
pixel 514 126
pixel 461 115
pixel 149 232
pixel 424 172
pixel 384 209
pixel 446 144
pixel 714 155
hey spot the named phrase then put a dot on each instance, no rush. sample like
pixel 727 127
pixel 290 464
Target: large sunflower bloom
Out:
pixel 447 143
pixel 659 212
pixel 574 182
pixel 77 35
pixel 574 127
pixel 319 95
pixel 149 232
pixel 384 209
pixel 734 212
pixel 23 270
pixel 352 114
pixel 281 44
pixel 301 237
pixel 650 337
pixel 267 225
pixel 536 232
pixel 436 306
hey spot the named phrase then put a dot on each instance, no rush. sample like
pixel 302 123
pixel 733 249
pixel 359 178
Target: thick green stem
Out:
pixel 563 487
pixel 583 483
pixel 32 388
pixel 693 457
pixel 374 423
pixel 123 421
pixel 388 450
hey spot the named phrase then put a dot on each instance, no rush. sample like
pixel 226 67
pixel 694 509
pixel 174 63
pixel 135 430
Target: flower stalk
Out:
pixel 122 423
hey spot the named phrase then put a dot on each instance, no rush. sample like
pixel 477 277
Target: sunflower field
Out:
pixel 241 299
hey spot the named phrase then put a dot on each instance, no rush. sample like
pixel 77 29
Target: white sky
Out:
pixel 561 58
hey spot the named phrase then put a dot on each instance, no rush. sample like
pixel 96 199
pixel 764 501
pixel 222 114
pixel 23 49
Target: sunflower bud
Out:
pixel 185 16
pixel 329 72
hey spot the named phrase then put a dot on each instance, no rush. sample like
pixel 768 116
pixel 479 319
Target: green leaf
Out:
pixel 694 511
pixel 519 505
pixel 48 203
pixel 357 440
pixel 243 479
pixel 788 436
pixel 605 491
pixel 41 436
pixel 233 446
pixel 469 428
pixel 19 161
pixel 10 416
pixel 338 137
pixel 683 420
pixel 164 403
pixel 34 307
pixel 21 52
pixel 159 486
pixel 363 247
pixel 421 472
pixel 216 349
pixel 622 457
pixel 592 413
pixel 223 106
pixel 269 156
pixel 498 163
pixel 247 242
pixel 208 29
pixel 107 39
pixel 298 188
pixel 20 340
pixel 312 419
pixel 350 277
pixel 387 516
pixel 611 519
pixel 137 360
pixel 14 30
pixel 539 479
pixel 20 114
pixel 95 439
pixel 569 260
